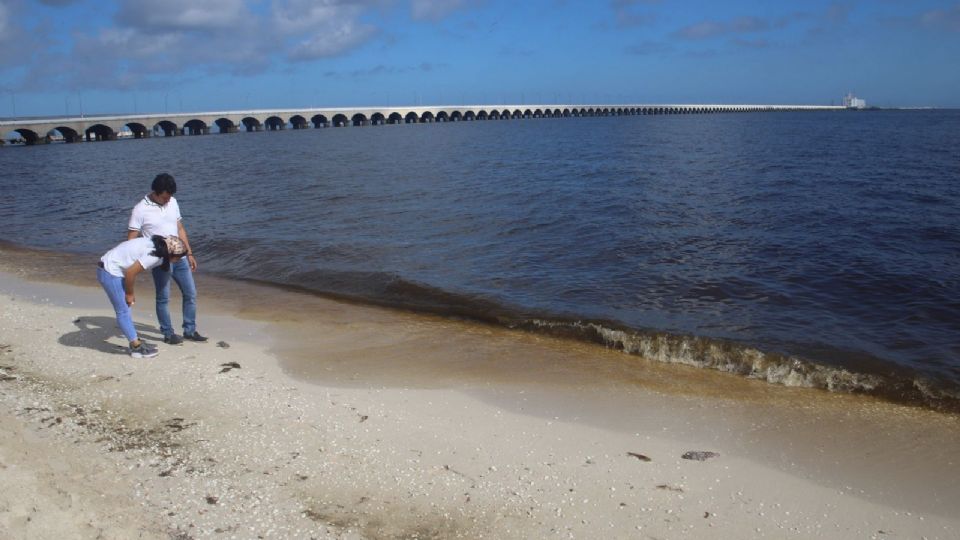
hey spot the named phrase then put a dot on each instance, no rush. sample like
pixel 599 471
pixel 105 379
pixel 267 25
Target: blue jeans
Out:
pixel 113 285
pixel 180 272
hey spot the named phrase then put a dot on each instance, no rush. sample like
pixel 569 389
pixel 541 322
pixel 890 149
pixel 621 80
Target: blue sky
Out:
pixel 189 55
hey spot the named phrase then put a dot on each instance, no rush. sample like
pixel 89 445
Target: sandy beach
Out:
pixel 305 417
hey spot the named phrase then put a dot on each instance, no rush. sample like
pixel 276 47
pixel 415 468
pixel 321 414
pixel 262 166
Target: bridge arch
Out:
pixel 225 125
pixel 359 119
pixel 340 120
pixel 411 118
pixel 26 136
pixel 196 127
pixel 395 118
pixel 100 132
pixel 483 115
pixel 299 122
pixel 275 123
pixel 252 124
pixel 377 119
pixel 455 116
pixel 167 128
pixel 69 135
pixel 427 117
pixel 138 130
pixel 319 121
pixel 442 116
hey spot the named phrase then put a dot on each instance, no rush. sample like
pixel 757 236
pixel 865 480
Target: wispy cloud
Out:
pixel 750 43
pixel 942 19
pixel 380 69
pixel 181 15
pixel 627 15
pixel 647 48
pixel 711 29
pixel 436 10
pixel 18 46
pixel 321 29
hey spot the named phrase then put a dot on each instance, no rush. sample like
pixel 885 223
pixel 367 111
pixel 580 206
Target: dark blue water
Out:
pixel 814 248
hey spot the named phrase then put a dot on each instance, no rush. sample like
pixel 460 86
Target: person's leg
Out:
pixel 113 286
pixel 161 281
pixel 188 289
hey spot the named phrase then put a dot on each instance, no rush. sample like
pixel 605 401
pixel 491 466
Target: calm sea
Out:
pixel 804 248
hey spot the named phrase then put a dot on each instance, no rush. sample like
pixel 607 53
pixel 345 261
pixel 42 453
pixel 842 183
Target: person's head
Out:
pixel 164 187
pixel 168 248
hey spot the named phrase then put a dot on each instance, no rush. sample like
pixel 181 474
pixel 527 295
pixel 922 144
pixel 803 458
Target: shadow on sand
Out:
pixel 93 333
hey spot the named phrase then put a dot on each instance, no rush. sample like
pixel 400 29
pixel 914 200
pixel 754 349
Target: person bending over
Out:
pixel 117 273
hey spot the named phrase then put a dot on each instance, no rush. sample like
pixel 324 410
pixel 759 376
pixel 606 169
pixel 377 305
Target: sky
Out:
pixel 152 56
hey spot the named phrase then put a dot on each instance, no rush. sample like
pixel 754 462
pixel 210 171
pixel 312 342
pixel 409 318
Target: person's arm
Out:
pixel 134 224
pixel 129 277
pixel 182 233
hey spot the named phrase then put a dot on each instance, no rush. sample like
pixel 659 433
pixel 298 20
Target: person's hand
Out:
pixel 130 299
pixel 193 262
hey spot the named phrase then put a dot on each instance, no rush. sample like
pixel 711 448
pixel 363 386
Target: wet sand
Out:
pixel 346 421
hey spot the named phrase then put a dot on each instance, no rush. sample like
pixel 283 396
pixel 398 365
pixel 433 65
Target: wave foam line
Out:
pixel 750 362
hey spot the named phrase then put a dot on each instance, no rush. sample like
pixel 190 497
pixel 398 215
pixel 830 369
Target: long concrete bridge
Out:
pixel 139 126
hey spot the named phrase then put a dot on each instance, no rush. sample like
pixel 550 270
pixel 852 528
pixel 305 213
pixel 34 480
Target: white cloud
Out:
pixel 332 42
pixel 321 29
pixel 164 15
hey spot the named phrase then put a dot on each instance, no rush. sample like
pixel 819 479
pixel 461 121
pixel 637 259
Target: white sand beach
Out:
pixel 305 417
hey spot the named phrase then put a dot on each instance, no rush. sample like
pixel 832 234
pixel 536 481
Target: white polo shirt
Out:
pixel 149 218
pixel 126 253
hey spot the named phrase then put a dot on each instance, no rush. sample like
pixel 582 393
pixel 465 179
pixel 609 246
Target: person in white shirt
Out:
pixel 159 214
pixel 117 273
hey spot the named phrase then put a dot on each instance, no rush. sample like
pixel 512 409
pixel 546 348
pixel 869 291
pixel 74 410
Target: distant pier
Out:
pixel 139 126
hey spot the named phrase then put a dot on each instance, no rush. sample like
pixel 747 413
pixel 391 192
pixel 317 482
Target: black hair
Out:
pixel 164 183
pixel 160 250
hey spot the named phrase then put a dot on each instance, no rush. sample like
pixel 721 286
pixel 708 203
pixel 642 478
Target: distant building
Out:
pixel 852 102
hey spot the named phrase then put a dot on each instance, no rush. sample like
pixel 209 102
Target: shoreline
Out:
pixel 347 421
pixel 886 381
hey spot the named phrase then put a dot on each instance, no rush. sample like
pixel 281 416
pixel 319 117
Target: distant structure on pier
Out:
pixel 851 101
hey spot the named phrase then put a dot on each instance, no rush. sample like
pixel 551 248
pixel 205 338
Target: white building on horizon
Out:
pixel 852 102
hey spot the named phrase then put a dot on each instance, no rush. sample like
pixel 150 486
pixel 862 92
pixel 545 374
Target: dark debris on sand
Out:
pixel 699 455
pixel 228 366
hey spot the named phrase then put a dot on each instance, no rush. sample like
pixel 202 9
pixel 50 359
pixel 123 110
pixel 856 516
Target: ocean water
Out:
pixel 804 248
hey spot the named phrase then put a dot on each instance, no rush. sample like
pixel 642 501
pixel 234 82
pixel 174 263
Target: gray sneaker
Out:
pixel 144 351
pixel 173 339
pixel 194 336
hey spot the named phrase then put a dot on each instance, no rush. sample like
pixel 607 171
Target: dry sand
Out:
pixel 345 421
